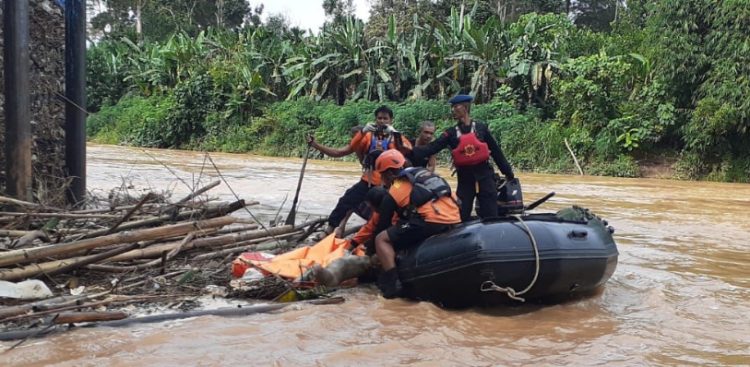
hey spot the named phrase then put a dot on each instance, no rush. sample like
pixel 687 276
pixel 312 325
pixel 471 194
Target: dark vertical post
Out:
pixel 17 118
pixel 75 91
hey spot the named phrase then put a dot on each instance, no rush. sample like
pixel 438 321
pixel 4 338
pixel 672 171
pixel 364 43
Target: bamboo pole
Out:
pixel 172 209
pixel 575 160
pixel 228 311
pixel 29 255
pixel 59 266
pixel 259 240
pixel 157 250
pixel 93 258
pixel 165 257
pixel 249 246
pixel 237 229
pixel 59 301
pixel 29 238
pixel 13 233
pixel 130 212
pixel 244 310
pixel 237 237
pixel 5 199
pixel 60 215
pixel 114 209
pixel 198 192
pixel 117 299
pixel 220 210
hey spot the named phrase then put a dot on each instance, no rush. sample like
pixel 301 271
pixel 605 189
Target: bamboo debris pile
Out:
pixel 147 251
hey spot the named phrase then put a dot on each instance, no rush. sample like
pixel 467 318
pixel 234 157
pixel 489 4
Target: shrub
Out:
pixel 623 166
pixel 135 120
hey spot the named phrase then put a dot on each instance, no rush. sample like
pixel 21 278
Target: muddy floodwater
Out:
pixel 680 294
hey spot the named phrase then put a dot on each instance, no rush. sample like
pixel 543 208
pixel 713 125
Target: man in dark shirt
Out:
pixel 471 147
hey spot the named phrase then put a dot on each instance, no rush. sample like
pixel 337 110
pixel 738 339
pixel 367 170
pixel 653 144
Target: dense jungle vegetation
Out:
pixel 626 83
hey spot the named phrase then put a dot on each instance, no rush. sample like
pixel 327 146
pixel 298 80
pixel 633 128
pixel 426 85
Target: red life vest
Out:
pixel 470 149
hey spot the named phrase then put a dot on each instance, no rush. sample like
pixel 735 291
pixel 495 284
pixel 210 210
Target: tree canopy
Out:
pixel 617 78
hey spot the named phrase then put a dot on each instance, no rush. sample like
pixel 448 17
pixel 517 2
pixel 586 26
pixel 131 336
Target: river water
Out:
pixel 680 294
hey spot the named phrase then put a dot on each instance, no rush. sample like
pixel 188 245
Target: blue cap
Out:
pixel 461 98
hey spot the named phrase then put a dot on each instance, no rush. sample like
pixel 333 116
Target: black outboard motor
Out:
pixel 509 196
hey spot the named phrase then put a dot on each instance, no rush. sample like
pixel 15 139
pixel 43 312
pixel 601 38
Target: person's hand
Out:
pixel 509 177
pixel 310 139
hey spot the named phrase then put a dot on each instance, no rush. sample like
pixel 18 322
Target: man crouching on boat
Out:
pixel 425 206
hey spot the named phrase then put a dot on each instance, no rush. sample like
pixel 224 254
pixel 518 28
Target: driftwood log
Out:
pixel 157 250
pixel 73 317
pixel 22 256
pixel 212 212
pixel 228 311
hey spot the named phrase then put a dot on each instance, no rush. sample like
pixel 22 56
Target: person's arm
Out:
pixel 435 146
pixel 432 163
pixel 385 212
pixel 403 144
pixel 366 233
pixel 332 152
pixel 496 152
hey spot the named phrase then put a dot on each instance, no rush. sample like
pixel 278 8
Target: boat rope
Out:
pixel 489 286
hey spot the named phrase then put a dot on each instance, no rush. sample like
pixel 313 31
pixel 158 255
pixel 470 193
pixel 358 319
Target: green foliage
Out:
pixel 530 144
pixel 193 101
pixel 160 19
pixel 711 126
pixel 690 166
pixel 135 120
pixel 595 14
pixel 622 166
pixel 671 75
pixel 409 116
pixel 732 168
pixel 590 89
pixel 106 73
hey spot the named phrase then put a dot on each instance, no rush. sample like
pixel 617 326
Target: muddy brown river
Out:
pixel 680 294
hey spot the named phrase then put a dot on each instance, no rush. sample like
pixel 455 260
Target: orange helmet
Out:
pixel 391 158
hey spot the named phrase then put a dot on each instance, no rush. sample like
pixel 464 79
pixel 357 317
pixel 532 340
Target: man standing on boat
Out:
pixel 471 145
pixel 425 206
pixel 373 139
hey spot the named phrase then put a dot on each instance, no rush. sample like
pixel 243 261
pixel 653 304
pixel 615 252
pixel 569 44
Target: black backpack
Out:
pixel 426 186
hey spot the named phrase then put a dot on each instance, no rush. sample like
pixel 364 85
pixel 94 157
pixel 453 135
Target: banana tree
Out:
pixel 426 62
pixel 484 50
pixel 533 60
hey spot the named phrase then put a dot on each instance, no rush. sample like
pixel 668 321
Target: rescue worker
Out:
pixel 366 234
pixel 425 136
pixel 471 145
pixel 373 139
pixel 425 206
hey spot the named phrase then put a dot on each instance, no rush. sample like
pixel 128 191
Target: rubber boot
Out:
pixel 389 284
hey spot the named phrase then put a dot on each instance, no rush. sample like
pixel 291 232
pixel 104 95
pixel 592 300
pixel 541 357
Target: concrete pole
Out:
pixel 75 92
pixel 17 115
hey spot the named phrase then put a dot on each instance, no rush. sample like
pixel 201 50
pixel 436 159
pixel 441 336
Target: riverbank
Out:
pixel 531 143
